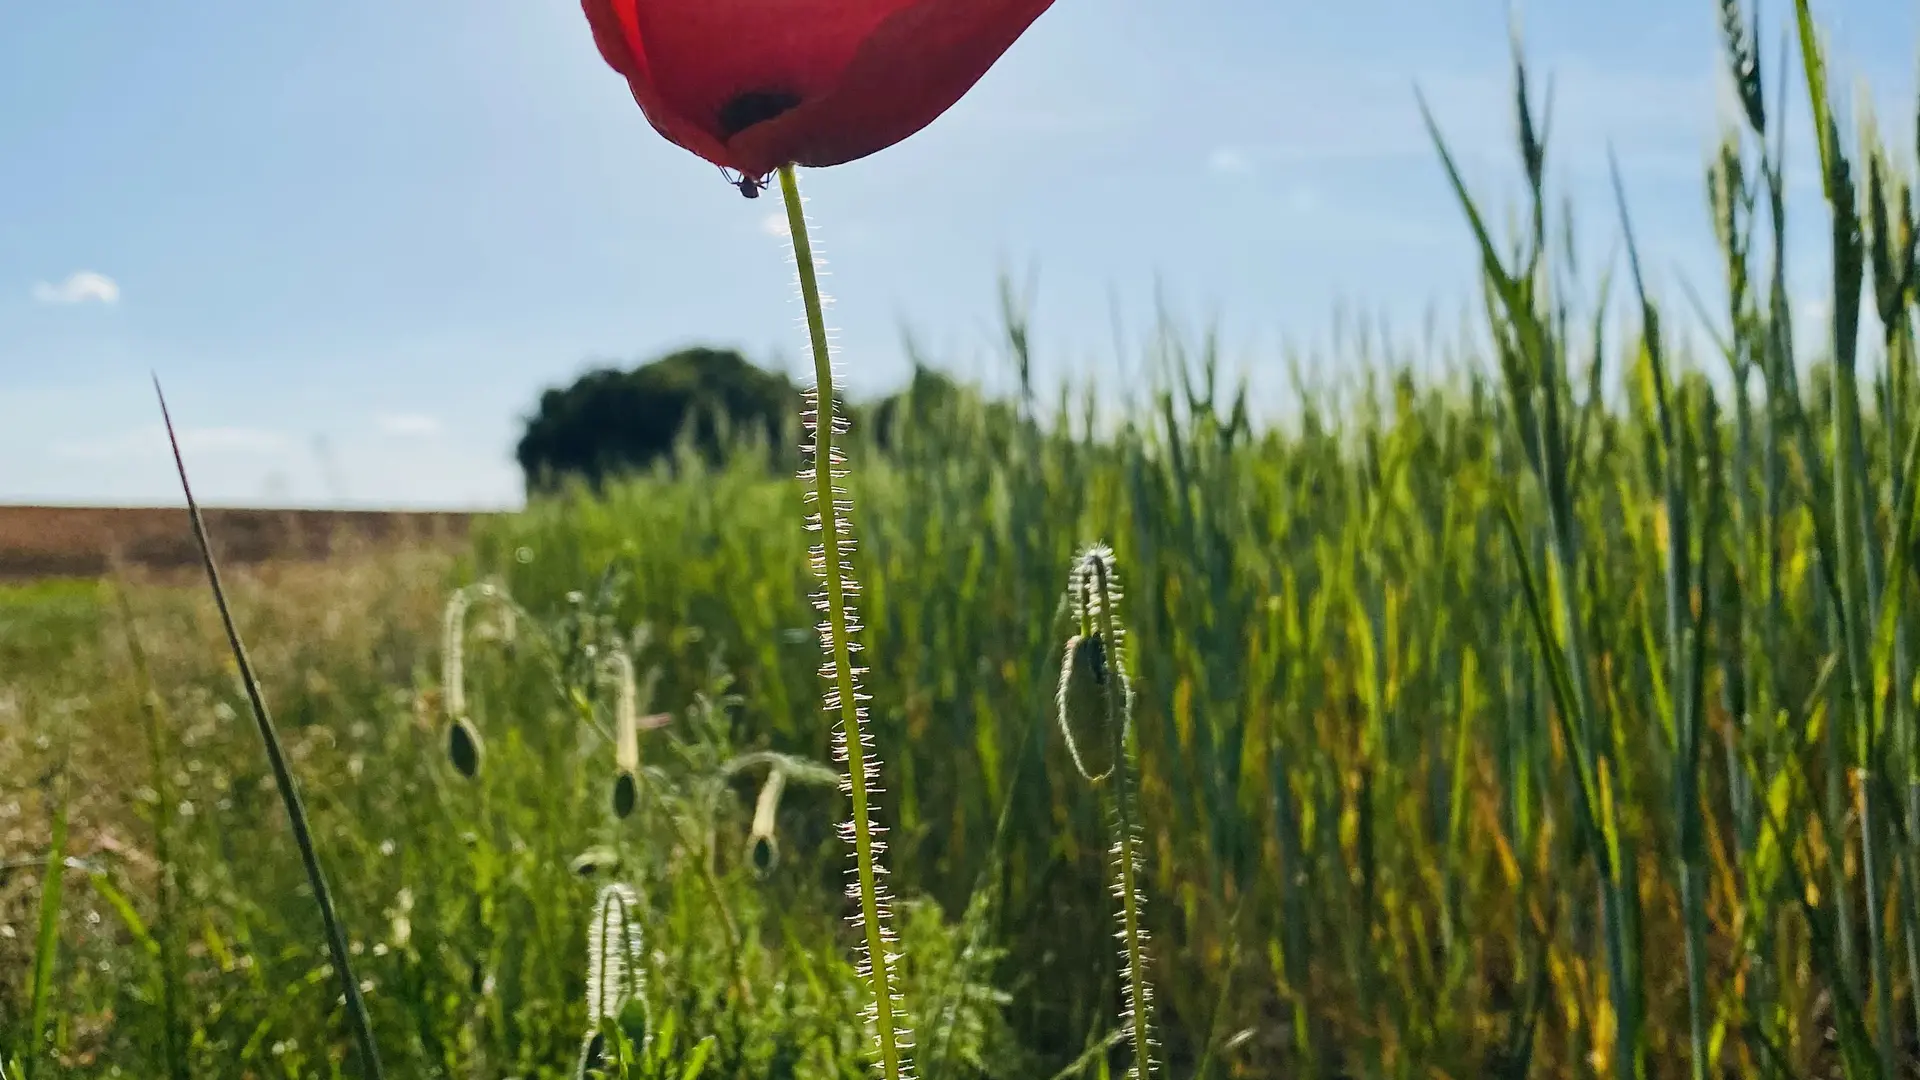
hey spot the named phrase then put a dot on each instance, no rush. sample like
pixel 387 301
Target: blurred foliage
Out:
pixel 609 421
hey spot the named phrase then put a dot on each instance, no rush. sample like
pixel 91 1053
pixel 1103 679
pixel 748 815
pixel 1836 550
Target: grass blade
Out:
pixel 47 940
pixel 282 775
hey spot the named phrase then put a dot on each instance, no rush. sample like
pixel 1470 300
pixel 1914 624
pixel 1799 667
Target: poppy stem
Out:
pixel 1127 868
pixel 830 558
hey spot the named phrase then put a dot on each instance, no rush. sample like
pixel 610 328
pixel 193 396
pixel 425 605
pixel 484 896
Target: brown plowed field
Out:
pixel 63 541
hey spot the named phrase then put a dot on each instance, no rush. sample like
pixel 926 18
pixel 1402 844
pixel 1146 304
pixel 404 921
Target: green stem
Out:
pixel 1126 846
pixel 832 505
pixel 703 866
pixel 1851 519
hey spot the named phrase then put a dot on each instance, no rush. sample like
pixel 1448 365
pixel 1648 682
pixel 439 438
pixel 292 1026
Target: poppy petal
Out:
pixel 613 23
pixel 756 84
pixel 610 36
pixel 707 54
pixel 913 66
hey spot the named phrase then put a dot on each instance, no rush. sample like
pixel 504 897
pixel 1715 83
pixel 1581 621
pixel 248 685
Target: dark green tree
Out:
pixel 612 421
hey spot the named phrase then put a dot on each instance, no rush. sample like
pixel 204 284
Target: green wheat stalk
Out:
pixel 1854 519
pixel 1687 577
pixel 1528 325
pixel 829 516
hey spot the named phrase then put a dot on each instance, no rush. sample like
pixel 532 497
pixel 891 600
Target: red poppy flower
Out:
pixel 752 85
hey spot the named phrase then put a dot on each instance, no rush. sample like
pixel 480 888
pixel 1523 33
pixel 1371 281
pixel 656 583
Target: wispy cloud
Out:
pixel 409 425
pixel 151 441
pixel 81 286
pixel 1229 161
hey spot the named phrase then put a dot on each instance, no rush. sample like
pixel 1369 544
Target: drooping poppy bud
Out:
pixel 1082 701
pixel 763 847
pixel 463 748
pixel 626 792
pixel 752 85
pixel 595 860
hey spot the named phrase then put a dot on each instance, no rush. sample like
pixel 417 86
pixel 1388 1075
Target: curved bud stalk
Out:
pixel 1095 696
pixel 616 975
pixel 763 840
pixel 626 712
pixel 825 467
pixel 453 653
pixel 626 732
pixel 763 845
pixel 463 740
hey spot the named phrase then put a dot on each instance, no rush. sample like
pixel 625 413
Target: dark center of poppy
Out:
pixel 743 111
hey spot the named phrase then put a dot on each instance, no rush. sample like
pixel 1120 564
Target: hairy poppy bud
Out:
pixel 463 748
pixel 1096 707
pixel 595 860
pixel 763 848
pixel 1083 706
pixel 616 971
pixel 616 976
pixel 626 791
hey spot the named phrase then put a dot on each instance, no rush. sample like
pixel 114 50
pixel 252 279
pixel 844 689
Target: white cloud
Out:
pixel 1229 160
pixel 80 287
pixel 774 225
pixel 408 424
pixel 151 441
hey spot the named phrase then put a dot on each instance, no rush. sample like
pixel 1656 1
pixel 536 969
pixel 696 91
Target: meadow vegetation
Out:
pixel 1542 709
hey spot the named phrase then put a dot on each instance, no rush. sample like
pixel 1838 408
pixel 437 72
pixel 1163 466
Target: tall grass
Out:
pixel 1550 716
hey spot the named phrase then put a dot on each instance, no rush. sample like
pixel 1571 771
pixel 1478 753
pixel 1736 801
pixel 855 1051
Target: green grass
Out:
pixel 1553 715
pixel 42 621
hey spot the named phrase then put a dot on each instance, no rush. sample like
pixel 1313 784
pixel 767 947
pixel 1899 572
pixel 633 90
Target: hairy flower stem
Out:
pixel 1126 853
pixel 831 506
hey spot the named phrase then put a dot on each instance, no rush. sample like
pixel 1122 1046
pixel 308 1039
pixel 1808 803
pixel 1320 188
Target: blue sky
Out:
pixel 357 239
